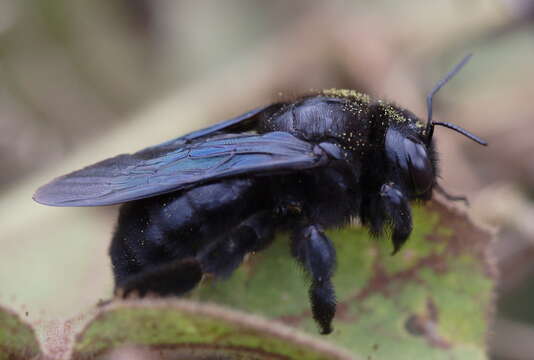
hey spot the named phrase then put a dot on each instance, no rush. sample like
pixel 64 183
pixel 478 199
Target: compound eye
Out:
pixel 419 166
pixel 411 157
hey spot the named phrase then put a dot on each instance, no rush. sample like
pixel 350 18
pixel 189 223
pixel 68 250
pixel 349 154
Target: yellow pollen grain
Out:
pixel 348 94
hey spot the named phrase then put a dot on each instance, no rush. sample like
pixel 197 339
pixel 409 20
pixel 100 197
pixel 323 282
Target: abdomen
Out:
pixel 175 226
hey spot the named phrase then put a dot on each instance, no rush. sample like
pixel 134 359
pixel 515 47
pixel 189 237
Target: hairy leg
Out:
pixel 398 211
pixel 315 253
pixel 224 256
pixel 173 278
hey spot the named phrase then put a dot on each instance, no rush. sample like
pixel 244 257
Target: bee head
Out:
pixel 412 152
pixel 413 159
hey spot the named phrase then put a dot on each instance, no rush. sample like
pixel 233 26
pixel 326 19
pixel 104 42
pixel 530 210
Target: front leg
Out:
pixel 399 213
pixel 315 253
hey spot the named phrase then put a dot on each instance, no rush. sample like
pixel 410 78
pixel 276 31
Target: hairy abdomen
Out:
pixel 177 226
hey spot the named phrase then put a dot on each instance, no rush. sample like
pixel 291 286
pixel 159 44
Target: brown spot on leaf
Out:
pixel 426 325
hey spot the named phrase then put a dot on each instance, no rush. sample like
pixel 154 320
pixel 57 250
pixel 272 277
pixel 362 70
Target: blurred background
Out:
pixel 84 80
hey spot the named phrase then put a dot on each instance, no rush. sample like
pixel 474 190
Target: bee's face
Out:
pixel 411 156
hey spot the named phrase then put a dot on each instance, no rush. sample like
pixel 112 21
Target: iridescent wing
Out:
pixel 181 164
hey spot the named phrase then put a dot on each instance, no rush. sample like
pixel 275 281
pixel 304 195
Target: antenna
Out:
pixel 430 96
pixel 461 131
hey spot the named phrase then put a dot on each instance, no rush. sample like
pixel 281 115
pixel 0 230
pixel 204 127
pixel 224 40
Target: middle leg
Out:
pixel 314 251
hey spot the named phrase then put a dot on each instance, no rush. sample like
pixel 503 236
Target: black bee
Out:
pixel 198 204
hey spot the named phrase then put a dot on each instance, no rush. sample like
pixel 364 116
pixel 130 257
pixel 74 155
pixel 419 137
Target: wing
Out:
pixel 159 170
pixel 241 123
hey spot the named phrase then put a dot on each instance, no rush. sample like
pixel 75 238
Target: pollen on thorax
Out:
pixel 348 94
pixel 394 115
pixel 391 113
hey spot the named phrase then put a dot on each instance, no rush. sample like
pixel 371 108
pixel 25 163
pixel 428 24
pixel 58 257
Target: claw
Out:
pixel 398 211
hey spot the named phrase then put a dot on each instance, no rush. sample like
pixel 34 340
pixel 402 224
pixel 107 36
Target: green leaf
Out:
pixel 17 339
pixel 431 301
pixel 185 330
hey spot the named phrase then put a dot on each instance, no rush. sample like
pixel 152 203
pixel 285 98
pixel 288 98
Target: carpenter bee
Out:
pixel 199 203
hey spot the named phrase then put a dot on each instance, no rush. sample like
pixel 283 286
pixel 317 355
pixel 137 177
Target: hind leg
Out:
pixel 173 278
pixel 253 234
